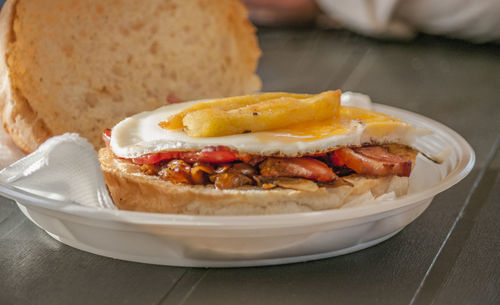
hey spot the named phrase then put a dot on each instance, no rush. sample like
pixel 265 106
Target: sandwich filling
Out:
pixel 267 141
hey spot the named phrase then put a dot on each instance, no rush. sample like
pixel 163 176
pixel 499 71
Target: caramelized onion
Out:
pixel 244 169
pixel 222 168
pixel 298 184
pixel 200 172
pixel 176 171
pixel 230 180
pixel 297 167
pixel 150 169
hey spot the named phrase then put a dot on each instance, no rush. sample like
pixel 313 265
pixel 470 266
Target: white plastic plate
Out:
pixel 236 241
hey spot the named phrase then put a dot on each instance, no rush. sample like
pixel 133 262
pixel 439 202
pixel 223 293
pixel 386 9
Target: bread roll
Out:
pixel 82 66
pixel 135 191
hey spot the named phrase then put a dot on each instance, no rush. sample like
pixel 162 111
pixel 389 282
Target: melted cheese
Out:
pixel 140 134
pixel 379 124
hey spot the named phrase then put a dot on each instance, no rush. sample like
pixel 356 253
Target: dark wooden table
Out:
pixel 449 255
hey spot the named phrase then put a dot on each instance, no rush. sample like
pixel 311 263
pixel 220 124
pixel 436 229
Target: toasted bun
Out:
pixel 82 66
pixel 135 191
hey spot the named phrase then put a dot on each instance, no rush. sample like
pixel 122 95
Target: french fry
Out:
pixel 175 121
pixel 266 115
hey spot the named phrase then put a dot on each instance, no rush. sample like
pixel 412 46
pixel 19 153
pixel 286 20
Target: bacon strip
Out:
pixel 209 154
pixel 373 161
pixel 297 167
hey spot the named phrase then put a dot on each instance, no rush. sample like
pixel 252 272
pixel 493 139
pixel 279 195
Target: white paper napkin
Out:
pixel 63 168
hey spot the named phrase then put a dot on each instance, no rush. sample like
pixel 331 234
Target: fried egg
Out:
pixel 356 125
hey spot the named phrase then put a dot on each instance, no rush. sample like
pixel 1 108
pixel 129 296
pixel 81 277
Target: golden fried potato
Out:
pixel 266 115
pixel 175 121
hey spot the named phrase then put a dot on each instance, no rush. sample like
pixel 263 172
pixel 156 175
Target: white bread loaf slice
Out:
pixel 82 66
pixel 133 190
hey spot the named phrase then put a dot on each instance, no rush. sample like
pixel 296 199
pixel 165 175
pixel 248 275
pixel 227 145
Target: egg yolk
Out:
pixel 375 123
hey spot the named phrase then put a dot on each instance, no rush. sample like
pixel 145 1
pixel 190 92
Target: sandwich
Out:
pixel 82 66
pixel 256 154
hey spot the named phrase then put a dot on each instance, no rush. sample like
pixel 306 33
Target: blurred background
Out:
pixel 477 21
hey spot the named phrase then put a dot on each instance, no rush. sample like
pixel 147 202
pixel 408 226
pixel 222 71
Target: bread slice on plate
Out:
pixel 132 190
pixel 82 66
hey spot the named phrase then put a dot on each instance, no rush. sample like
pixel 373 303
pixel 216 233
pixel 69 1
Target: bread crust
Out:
pixel 132 190
pixel 50 88
pixel 5 34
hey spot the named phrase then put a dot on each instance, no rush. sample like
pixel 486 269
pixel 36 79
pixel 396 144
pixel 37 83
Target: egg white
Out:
pixel 140 134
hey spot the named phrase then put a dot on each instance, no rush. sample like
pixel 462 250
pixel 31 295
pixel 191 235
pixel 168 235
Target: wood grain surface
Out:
pixel 449 255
